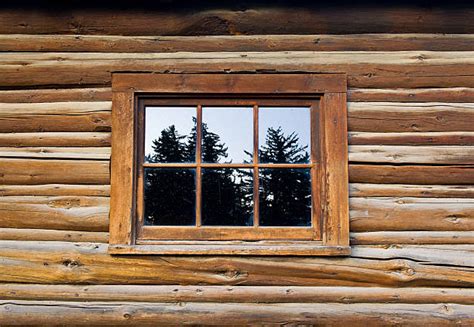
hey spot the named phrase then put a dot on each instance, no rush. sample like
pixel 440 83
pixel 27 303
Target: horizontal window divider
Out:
pixel 226 165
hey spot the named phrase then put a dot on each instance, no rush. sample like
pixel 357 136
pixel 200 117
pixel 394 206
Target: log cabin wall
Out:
pixel 411 132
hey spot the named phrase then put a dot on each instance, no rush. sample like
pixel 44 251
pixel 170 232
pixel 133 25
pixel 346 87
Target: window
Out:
pixel 229 164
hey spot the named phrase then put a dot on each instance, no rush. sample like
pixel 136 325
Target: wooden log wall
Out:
pixel 411 134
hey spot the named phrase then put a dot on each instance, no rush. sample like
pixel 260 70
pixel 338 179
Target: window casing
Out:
pixel 323 94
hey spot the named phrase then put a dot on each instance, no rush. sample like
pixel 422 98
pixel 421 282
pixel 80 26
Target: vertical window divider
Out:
pixel 256 215
pixel 198 164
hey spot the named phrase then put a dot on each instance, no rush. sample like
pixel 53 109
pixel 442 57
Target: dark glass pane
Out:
pixel 227 197
pixel 285 197
pixel 227 134
pixel 284 134
pixel 170 197
pixel 170 134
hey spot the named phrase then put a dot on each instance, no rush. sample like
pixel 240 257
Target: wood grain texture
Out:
pixel 55 190
pixel 408 190
pixel 370 214
pixel 408 237
pixel 88 263
pixel 374 69
pixel 206 43
pixel 55 117
pixel 25 234
pixel 420 174
pixel 453 94
pixel 165 314
pixel 56 95
pixel 234 294
pixel 57 139
pixel 62 212
pixel 36 172
pixel 412 138
pixel 92 153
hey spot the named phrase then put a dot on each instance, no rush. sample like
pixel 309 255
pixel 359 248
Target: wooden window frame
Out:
pixel 325 94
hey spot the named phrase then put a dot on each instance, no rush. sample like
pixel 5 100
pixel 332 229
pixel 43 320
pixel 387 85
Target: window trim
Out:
pixel 128 91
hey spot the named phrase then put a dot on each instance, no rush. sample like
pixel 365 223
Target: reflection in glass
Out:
pixel 227 197
pixel 170 134
pixel 169 196
pixel 228 129
pixel 284 134
pixel 285 197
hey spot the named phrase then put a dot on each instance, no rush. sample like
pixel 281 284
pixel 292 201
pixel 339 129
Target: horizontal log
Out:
pixel 56 95
pixel 226 19
pixel 424 214
pixel 424 175
pixel 412 138
pixel 454 94
pixel 455 155
pixel 410 117
pixel 97 153
pixel 407 190
pixel 355 42
pixel 167 314
pixel 431 237
pixel 234 294
pixel 22 234
pixel 62 212
pixel 55 117
pixel 55 190
pixel 88 263
pixel 365 69
pixel 66 139
pixel 34 172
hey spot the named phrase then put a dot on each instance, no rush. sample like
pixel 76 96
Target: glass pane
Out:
pixel 227 197
pixel 285 197
pixel 227 134
pixel 170 134
pixel 170 197
pixel 284 134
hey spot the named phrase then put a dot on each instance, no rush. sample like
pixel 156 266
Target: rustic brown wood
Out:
pixel 254 18
pixel 122 204
pixel 86 263
pixel 165 314
pixel 407 237
pixel 68 139
pixel 410 117
pixel 55 190
pixel 405 69
pixel 412 138
pixel 375 214
pixel 63 212
pixel 94 153
pixel 421 174
pixel 455 94
pixel 22 234
pixel 235 294
pixel 321 42
pixel 407 190
pixel 56 95
pixel 35 172
pixel 436 155
pixel 55 117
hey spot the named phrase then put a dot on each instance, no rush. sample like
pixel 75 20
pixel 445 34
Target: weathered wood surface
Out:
pixel 454 94
pixel 252 18
pixel 57 139
pixel 409 154
pixel 409 237
pixel 234 294
pixel 206 43
pixel 61 212
pixel 55 117
pixel 407 190
pixel 94 153
pixel 25 234
pixel 428 214
pixel 420 174
pixel 35 172
pixel 365 69
pixel 89 263
pixel 55 190
pixel 412 138
pixel 219 314
pixel 56 95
